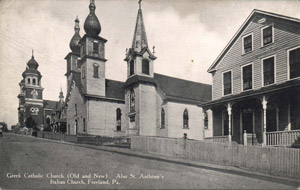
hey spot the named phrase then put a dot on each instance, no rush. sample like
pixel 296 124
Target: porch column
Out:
pixel 203 120
pixel 229 121
pixel 264 104
pixel 289 116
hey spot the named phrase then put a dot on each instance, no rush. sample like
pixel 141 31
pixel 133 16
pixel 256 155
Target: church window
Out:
pixel 118 116
pixel 84 125
pixel 34 94
pixel 205 121
pixel 95 47
pixel 75 109
pixel 96 70
pixel 132 101
pixel 145 66
pixel 162 125
pixel 83 72
pixel 131 67
pixel 33 81
pixel 28 81
pixel 185 119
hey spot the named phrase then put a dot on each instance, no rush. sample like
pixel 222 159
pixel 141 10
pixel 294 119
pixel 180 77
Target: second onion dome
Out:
pixel 92 25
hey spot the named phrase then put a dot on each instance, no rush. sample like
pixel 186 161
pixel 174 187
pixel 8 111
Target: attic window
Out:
pixel 247 43
pixel 267 35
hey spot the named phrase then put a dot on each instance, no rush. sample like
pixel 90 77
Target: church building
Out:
pixel 147 103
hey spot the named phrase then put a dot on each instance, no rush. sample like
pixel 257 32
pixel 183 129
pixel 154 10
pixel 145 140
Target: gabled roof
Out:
pixel 242 28
pixel 50 104
pixel 183 90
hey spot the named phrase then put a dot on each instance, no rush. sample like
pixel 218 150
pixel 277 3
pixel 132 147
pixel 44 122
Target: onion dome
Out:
pixel 32 63
pixel 92 25
pixel 74 46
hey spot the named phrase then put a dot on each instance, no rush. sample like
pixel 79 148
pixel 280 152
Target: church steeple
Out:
pixel 140 38
pixel 74 46
pixel 92 25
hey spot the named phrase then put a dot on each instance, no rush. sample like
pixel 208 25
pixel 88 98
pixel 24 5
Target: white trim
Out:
pixel 240 29
pixel 242 78
pixel 262 70
pixel 230 70
pixel 288 62
pixel 243 37
pixel 262 36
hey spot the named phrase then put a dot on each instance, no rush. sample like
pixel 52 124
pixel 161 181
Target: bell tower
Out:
pixel 140 86
pixel 92 55
pixel 73 57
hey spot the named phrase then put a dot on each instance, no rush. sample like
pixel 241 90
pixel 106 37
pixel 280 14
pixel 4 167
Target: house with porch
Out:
pixel 256 83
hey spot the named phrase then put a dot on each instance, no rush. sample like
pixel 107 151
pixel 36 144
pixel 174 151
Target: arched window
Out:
pixel 118 116
pixel 131 69
pixel 185 119
pixel 132 101
pixel 34 81
pixel 28 81
pixel 145 66
pixel 75 109
pixel 96 70
pixel 162 125
pixel 34 94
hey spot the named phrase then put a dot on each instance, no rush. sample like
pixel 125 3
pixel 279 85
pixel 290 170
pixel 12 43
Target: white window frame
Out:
pixel 288 63
pixel 262 36
pixel 242 78
pixel 230 70
pixel 245 36
pixel 262 70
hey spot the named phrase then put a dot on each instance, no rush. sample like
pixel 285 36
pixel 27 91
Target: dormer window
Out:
pixel 145 66
pixel 267 35
pixel 131 69
pixel 95 47
pixel 247 43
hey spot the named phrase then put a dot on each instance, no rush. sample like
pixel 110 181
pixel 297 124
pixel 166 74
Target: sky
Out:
pixel 188 35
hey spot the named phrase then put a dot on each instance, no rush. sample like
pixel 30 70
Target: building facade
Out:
pixel 33 110
pixel 147 103
pixel 256 82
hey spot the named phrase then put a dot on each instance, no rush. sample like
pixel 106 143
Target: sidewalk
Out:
pixel 197 164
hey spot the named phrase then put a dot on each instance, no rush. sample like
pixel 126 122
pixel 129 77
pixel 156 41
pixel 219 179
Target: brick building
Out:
pixel 33 110
pixel 147 103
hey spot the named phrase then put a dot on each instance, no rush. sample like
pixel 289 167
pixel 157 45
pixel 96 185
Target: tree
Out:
pixel 4 126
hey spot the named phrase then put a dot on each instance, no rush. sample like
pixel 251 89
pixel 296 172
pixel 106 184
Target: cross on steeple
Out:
pixel 140 2
pixel 32 54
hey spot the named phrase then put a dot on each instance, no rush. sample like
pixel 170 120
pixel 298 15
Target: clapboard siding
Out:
pixel 286 36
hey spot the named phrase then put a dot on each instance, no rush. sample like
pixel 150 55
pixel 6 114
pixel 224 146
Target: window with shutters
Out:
pixel 227 83
pixel 267 35
pixel 268 71
pixel 247 43
pixel 145 66
pixel 247 77
pixel 294 62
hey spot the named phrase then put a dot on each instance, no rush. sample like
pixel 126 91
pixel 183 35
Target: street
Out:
pixel 33 163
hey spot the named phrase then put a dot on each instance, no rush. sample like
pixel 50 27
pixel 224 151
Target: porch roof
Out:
pixel 275 88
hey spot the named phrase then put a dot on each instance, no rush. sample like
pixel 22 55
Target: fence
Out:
pixel 282 138
pixel 274 160
pixel 217 139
